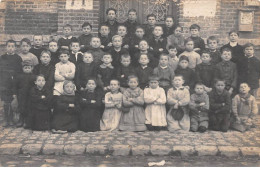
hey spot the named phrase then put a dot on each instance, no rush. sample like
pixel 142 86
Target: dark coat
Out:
pixel 113 28
pixel 143 75
pixel 215 56
pixel 66 42
pixel 105 75
pixel 74 60
pixel 83 72
pixel 188 75
pixel 198 43
pixel 148 31
pixel 85 40
pixel 48 72
pixel 116 56
pixel 237 52
pixel 156 45
pixel 54 58
pixel 122 74
pixel 131 27
pixel 168 31
pixel 205 74
pixel 216 100
pixel 37 52
pixel 153 62
pixel 105 41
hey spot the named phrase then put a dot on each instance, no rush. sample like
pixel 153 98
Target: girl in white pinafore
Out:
pixel 155 99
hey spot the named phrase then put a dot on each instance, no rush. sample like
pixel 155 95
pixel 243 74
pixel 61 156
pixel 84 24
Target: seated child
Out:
pixel 10 64
pixel 85 38
pixel 122 31
pixel 133 119
pixel 85 71
pixel 155 111
pixel 25 54
pixel 215 53
pixel 144 50
pixel 95 50
pixel 178 98
pixel 53 47
pixel 40 98
pixel 105 72
pixel 219 108
pixel 75 53
pixel 90 102
pixel 244 108
pixel 205 71
pixel 37 46
pixel 199 44
pixel 236 49
pixel 164 72
pixel 124 70
pixel 173 58
pixel 22 84
pixel 187 73
pixel 176 39
pixel 194 57
pixel 131 22
pixel 199 107
pixel 227 71
pixel 113 104
pixel 168 27
pixel 65 41
pixel 116 50
pixel 45 69
pixel 143 71
pixel 105 38
pixel 64 70
pixel 65 114
pixel 149 27
pixel 157 42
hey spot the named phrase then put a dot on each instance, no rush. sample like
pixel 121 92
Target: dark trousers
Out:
pixel 219 122
pixel 155 128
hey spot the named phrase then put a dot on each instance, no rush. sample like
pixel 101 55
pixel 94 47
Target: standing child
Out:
pixel 143 71
pixel 37 46
pixel 199 107
pixel 244 108
pixel 122 31
pixel 131 22
pixel 90 102
pixel 25 54
pixel 45 69
pixel 168 28
pixel 205 71
pixel 155 111
pixel 10 66
pixel 219 108
pixel 85 71
pixel 111 21
pixel 105 72
pixel 66 110
pixel 176 39
pixel 187 73
pixel 194 58
pixel 113 104
pixel 164 72
pixel 64 70
pixel 22 84
pixel 39 105
pixel 95 50
pixel 227 71
pixel 178 97
pixel 133 98
pixel 215 53
pixel 65 41
pixel 135 40
pixel 105 37
pixel 236 49
pixel 75 54
pixel 173 58
pixel 149 27
pixel 85 38
pixel 53 47
pixel 158 42
pixel 124 70
pixel 199 44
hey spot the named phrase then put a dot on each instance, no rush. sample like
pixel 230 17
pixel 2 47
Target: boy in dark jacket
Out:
pixel 199 44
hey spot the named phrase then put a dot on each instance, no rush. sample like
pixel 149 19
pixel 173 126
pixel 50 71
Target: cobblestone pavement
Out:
pixel 232 144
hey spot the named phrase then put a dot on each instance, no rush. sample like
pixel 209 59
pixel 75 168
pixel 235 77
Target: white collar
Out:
pixel 164 67
pixel 233 44
pixel 250 56
pixel 69 37
pixel 143 67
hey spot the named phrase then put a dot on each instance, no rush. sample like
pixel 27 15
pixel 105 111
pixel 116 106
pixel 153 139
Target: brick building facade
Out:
pixel 23 18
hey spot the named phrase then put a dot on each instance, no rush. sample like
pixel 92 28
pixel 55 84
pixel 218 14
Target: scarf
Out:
pixel 245 98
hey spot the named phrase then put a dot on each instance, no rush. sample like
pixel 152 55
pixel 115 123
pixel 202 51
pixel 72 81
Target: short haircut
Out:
pixel 46 51
pixel 115 80
pixel 67 25
pixel 63 51
pixel 132 10
pixel 75 41
pixel 26 40
pixel 94 79
pixel 216 80
pixel 226 49
pixel 188 40
pixel 94 37
pixel 139 56
pixel 205 52
pixel 104 25
pixel 10 41
pixel 111 9
pixel 85 24
pixel 212 38
pixel 87 52
pixel 132 77
pixel 178 75
pixel 68 82
pixel 121 25
pixel 53 41
pixel 139 27
pixel 172 47
pixel 177 26
pixel 125 55
pixel 233 31
pixel 144 41
pixel 27 63
pixel 195 26
pixel 244 83
pixel 107 54
pixel 117 36
pixel 184 57
pixel 37 35
pixel 153 77
pixel 163 54
pixel 150 15
pixel 249 45
pixel 169 16
pixel 199 84
pixel 39 75
pixel 158 26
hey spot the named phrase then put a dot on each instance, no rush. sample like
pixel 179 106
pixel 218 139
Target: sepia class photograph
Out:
pixel 129 83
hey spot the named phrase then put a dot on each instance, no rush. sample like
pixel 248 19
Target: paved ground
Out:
pixel 232 144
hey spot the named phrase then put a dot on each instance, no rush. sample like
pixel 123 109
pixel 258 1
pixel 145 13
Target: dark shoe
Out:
pixel 5 124
pixel 202 129
pixel 19 124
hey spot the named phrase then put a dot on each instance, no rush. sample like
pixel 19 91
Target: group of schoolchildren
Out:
pixel 130 78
